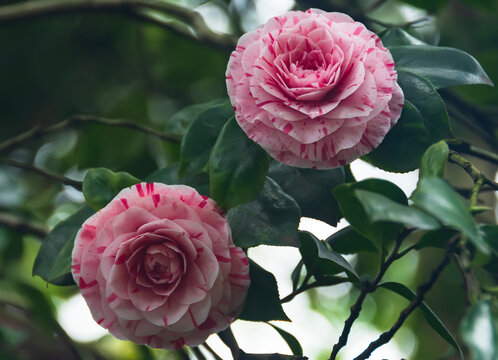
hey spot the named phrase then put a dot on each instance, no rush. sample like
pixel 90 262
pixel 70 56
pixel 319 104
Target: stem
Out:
pixel 22 226
pixel 78 185
pixel 315 284
pixel 82 119
pixel 211 351
pixel 229 340
pixel 198 354
pixel 466 280
pixel 465 147
pixel 421 291
pixel 368 287
pixel 473 172
pixel 35 9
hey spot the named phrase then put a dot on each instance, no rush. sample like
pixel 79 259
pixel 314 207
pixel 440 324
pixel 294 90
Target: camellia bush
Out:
pixel 184 146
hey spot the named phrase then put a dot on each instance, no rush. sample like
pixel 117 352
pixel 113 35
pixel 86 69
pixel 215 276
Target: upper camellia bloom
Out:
pixel 315 89
pixel 157 266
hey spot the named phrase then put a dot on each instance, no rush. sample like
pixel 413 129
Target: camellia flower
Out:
pixel 315 89
pixel 157 266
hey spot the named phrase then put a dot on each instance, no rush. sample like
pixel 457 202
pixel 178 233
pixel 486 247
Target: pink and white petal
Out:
pixel 396 103
pixel 167 314
pixel 146 328
pixel 143 298
pixel 208 263
pixel 131 220
pixel 193 287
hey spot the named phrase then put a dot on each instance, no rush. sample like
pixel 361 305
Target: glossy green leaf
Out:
pixel 431 317
pixel 352 209
pixel 296 275
pixel 490 236
pixel 349 241
pixel 434 160
pixel 271 218
pixel 321 261
pixel 381 208
pixel 424 121
pixel 201 137
pixel 479 332
pixel 310 187
pixel 436 238
pixel 396 36
pixel 101 185
pixel 436 197
pixel 237 167
pixel 263 301
pixel 169 175
pixel 181 120
pixel 53 262
pixel 290 340
pixel 442 66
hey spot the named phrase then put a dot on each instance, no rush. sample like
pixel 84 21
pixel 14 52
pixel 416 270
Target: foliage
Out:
pixel 162 69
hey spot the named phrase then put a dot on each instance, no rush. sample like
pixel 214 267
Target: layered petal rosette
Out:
pixel 157 266
pixel 315 89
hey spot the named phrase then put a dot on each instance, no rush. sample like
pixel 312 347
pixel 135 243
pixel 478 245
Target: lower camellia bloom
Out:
pixel 157 266
pixel 315 89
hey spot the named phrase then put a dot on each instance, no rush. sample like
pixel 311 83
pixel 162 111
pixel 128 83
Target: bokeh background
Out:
pixel 117 67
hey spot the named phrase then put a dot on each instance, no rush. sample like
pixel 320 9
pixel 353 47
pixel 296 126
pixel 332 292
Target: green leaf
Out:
pixel 181 120
pixel 479 332
pixel 352 209
pixel 201 137
pixel 436 238
pixel 442 66
pixel 434 160
pixel 272 218
pixel 436 197
pixel 490 236
pixel 380 208
pixel 396 36
pixel 431 317
pixel 237 167
pixel 290 340
pixel 169 175
pixel 263 300
pixel 310 187
pixel 424 121
pixel 53 262
pixel 320 261
pixel 348 241
pixel 296 274
pixel 101 185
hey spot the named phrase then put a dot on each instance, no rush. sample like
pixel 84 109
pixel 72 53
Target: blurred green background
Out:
pixel 118 67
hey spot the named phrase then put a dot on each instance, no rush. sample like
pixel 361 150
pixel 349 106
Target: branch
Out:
pixel 368 287
pixel 211 351
pixel 82 119
pixel 419 298
pixel 465 147
pixel 474 172
pixel 304 287
pixel 49 175
pixel 229 340
pixel 22 226
pixel 35 9
pixel 198 354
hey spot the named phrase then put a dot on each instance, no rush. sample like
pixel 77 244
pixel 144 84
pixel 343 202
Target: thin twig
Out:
pixel 467 148
pixel 229 340
pixel 38 131
pixel 78 185
pixel 211 351
pixel 29 10
pixel 473 172
pixel 369 287
pixel 465 277
pixel 419 298
pixel 22 226
pixel 312 285
pixel 198 354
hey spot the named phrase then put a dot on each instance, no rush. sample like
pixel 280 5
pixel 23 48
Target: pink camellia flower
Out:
pixel 157 266
pixel 315 89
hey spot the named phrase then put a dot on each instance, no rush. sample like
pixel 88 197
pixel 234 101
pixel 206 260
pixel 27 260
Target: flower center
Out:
pixel 162 264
